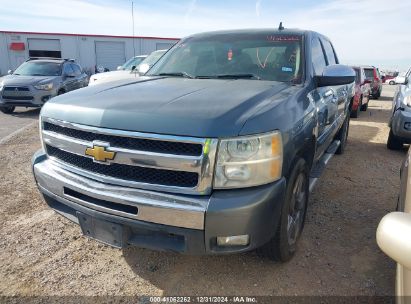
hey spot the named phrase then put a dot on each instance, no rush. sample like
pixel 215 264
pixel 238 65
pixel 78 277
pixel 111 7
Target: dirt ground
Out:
pixel 42 253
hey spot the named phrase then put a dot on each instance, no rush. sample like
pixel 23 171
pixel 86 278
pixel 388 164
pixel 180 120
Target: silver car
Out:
pixel 400 121
pixel 37 80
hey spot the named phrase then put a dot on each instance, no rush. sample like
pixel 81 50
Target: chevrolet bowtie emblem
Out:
pixel 100 154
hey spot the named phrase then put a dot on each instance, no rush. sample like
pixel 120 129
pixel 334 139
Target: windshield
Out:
pixel 276 57
pixel 357 75
pixel 369 73
pixel 154 57
pixel 39 69
pixel 132 62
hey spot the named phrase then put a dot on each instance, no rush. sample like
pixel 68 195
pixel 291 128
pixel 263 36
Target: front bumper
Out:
pixel 35 98
pixel 376 90
pixel 173 222
pixel 399 121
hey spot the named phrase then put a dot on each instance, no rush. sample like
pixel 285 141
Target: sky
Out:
pixel 374 32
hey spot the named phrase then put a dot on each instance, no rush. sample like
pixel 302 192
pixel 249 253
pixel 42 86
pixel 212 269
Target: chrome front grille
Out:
pixel 147 161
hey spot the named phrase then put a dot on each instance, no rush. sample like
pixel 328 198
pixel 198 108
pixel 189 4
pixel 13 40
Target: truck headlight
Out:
pixel 45 86
pixel 1 85
pixel 249 161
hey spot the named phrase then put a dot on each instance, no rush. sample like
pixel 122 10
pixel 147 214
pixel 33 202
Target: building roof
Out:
pixel 86 35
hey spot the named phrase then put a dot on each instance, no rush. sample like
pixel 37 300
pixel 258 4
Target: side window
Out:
pixel 76 69
pixel 329 51
pixel 67 70
pixel 317 53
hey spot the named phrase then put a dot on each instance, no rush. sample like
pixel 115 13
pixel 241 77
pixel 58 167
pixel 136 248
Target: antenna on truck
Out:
pixel 281 27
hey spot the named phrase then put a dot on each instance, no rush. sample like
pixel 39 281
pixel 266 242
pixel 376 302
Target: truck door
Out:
pixel 341 92
pixel 325 99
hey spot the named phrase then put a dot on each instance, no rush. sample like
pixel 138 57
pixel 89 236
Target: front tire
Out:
pixel 392 82
pixel 354 114
pixel 342 135
pixel 7 109
pixel 393 143
pixel 282 246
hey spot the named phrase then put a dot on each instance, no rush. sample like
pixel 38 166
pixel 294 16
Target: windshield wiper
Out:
pixel 38 75
pixel 231 76
pixel 178 74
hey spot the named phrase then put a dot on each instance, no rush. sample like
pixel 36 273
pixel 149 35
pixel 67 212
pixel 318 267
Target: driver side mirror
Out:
pixel 336 74
pixel 10 72
pixel 119 67
pixel 394 237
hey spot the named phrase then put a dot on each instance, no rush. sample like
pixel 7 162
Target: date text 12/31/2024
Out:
pixel 199 299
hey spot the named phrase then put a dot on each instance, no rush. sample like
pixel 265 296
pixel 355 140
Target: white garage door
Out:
pixel 44 44
pixel 163 46
pixel 110 54
pixel 44 47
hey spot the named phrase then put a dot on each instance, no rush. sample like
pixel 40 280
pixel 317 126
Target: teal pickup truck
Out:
pixel 213 151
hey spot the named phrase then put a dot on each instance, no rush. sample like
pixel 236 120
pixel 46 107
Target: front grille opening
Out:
pixel 140 144
pixel 101 203
pixel 16 89
pixel 126 172
pixel 18 97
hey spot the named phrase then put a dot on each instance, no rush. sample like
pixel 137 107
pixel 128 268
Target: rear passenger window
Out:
pixel 329 51
pixel 67 70
pixel 319 62
pixel 76 69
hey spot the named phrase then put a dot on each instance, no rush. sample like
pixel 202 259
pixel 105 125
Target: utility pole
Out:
pixel 132 17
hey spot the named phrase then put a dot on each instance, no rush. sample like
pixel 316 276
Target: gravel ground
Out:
pixel 42 253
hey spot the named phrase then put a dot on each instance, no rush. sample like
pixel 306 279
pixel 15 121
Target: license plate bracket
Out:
pixel 103 231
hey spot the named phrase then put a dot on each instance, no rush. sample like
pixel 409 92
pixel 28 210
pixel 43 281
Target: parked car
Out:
pixel 124 70
pixel 400 120
pixel 394 235
pixel 401 79
pixel 213 151
pixel 37 80
pixel 132 63
pixel 373 75
pixel 391 81
pixel 362 92
pixel 127 74
pixel 388 78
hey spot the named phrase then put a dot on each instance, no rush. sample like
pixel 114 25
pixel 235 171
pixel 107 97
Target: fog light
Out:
pixel 46 98
pixel 235 240
pixel 407 125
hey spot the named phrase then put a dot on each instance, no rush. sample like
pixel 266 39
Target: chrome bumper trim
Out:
pixel 160 208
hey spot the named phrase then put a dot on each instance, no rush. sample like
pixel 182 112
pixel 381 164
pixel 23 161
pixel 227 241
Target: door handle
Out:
pixel 328 93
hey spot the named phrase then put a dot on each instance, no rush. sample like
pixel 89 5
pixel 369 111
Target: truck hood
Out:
pixel 167 105
pixel 26 80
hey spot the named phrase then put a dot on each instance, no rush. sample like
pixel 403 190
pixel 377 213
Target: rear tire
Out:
pixel 392 82
pixel 7 109
pixel 393 143
pixel 283 245
pixel 354 114
pixel 342 135
pixel 364 107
